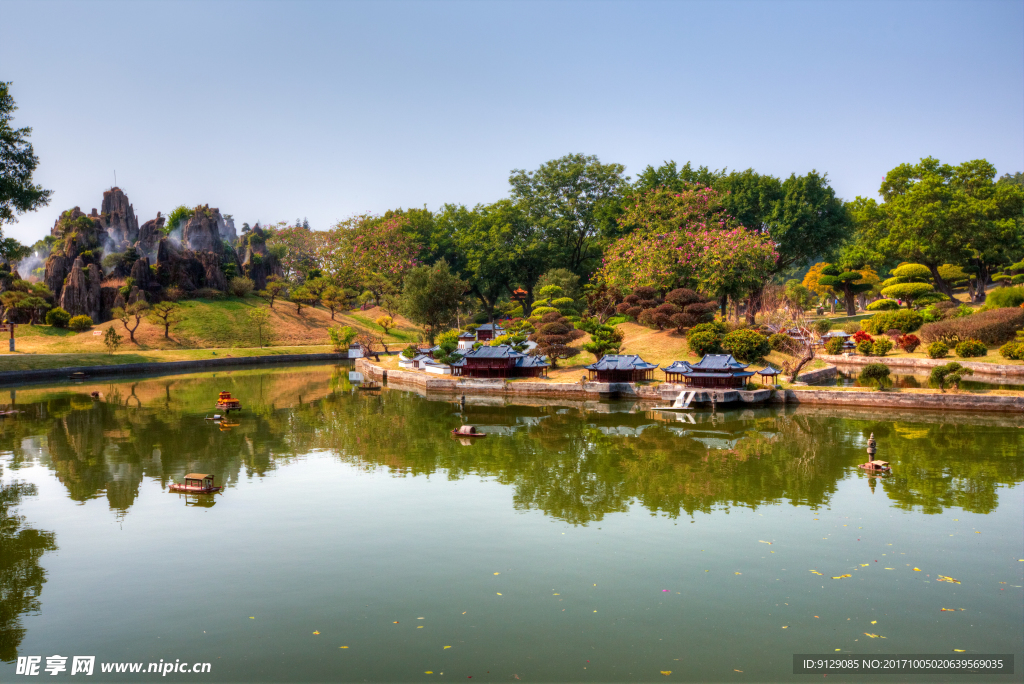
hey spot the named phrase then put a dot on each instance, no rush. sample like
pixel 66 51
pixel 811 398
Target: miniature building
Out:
pixel 501 361
pixel 621 368
pixel 415 363
pixel 488 331
pixel 466 340
pixel 674 372
pixel 769 372
pixel 716 371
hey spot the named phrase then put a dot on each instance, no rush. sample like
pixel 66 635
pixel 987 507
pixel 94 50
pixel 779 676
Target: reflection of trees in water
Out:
pixel 572 464
pixel 21 576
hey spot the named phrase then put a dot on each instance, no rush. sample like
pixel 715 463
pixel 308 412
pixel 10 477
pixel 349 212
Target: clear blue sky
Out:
pixel 273 111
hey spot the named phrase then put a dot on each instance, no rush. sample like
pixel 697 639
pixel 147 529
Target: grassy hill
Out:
pixel 207 325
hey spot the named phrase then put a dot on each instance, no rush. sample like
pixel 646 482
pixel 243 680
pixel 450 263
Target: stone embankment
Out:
pixel 924 365
pixel 665 393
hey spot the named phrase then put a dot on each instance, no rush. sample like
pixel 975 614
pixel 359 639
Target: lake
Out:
pixel 355 539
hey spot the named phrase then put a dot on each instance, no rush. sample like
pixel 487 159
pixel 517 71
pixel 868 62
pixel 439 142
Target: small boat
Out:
pixel 876 466
pixel 4 414
pixel 216 417
pixel 227 402
pixel 369 385
pixel 467 431
pixel 199 483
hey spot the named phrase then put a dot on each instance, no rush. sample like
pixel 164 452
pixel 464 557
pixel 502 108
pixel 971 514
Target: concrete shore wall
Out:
pixel 41 374
pixel 665 393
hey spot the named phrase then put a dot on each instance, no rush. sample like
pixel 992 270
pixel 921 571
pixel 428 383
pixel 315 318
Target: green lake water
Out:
pixel 355 539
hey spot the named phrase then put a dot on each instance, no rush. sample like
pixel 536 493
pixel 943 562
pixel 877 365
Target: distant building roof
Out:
pixel 768 370
pixel 733 374
pixel 677 367
pixel 837 333
pixel 719 362
pixel 489 326
pixel 621 362
pixel 467 336
pixel 532 362
pixel 501 351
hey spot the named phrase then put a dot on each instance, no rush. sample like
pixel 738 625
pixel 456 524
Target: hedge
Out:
pixel 971 348
pixel 80 323
pixel 883 305
pixel 991 328
pixel 937 350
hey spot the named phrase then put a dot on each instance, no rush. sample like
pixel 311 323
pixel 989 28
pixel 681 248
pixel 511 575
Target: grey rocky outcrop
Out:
pixel 141 273
pixel 202 231
pixel 118 220
pixel 150 234
pixel 81 292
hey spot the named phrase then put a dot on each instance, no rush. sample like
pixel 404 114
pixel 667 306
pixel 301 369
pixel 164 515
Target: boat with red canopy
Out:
pixel 196 482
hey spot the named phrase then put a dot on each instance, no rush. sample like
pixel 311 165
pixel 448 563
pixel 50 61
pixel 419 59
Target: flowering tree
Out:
pixel 296 246
pixel 369 251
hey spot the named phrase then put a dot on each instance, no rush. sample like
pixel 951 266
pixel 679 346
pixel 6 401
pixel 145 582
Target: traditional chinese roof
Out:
pixel 625 362
pixel 678 367
pixel 467 336
pixel 490 326
pixel 198 476
pixel 532 362
pixel 837 333
pixel 719 362
pixel 733 374
pixel 501 351
pixel 768 370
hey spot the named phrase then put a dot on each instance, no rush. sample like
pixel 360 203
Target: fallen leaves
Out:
pixel 943 578
pixel 446 647
pixel 316 632
pixel 843 576
pixel 666 672
pixel 959 650
pixel 816 572
pixel 343 647
pixel 917 569
pixel 869 634
pixel 763 541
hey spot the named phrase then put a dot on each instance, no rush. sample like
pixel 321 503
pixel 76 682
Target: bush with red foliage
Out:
pixel 861 336
pixel 908 343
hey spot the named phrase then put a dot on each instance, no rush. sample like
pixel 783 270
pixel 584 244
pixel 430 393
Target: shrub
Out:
pixel 864 348
pixel 904 320
pixel 58 317
pixel 173 293
pixel 874 375
pixel 704 342
pixel 822 326
pixel 894 334
pixel 80 323
pixel 781 342
pixel 541 310
pixel 851 327
pixel 834 346
pixel 883 305
pixel 409 352
pixel 746 345
pixel 937 350
pixel 992 328
pixel 861 336
pixel 564 304
pixel 969 349
pixel 909 343
pixel 881 347
pixel 949 374
pixel 716 327
pixel 208 293
pixel 1004 297
pixel 1014 349
pixel 240 286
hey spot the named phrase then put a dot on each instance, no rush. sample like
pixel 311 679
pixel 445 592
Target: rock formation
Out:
pixel 257 261
pixel 117 217
pixel 140 273
pixel 149 235
pixel 202 231
pixel 81 291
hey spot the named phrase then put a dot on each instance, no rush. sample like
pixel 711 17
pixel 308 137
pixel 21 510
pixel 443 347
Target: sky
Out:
pixel 273 111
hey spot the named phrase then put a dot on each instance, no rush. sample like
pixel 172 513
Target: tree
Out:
pixel 129 314
pixel 300 297
pixel 341 336
pixel 447 350
pixel 604 339
pixel 909 282
pixel 554 335
pixel 111 340
pixel 936 214
pixel 259 324
pixel 334 299
pixel 274 289
pixel 848 283
pixel 385 322
pixel 432 297
pixel 13 251
pixel 573 200
pixel 165 314
pixel 17 163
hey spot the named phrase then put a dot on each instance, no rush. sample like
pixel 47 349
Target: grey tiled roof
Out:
pixel 733 374
pixel 490 326
pixel 532 362
pixel 723 362
pixel 502 351
pixel 768 370
pixel 678 367
pixel 621 362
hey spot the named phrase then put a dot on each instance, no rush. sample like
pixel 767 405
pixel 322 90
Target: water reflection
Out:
pixel 577 462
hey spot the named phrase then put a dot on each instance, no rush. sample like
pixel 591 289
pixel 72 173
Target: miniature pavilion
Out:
pixel 621 368
pixel 712 371
pixel 501 361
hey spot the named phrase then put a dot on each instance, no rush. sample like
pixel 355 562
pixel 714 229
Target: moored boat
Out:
pixel 227 402
pixel 468 431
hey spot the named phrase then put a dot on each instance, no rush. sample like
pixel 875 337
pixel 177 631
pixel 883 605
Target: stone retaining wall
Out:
pixel 924 365
pixel 161 367
pixel 944 402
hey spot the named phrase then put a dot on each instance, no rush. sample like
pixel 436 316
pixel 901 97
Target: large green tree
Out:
pixel 432 296
pixel 936 214
pixel 18 161
pixel 574 200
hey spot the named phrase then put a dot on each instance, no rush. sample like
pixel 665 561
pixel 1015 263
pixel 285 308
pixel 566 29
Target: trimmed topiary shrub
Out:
pixel 937 350
pixel 834 346
pixel 864 347
pixel 704 342
pixel 904 320
pixel 948 375
pixel 883 305
pixel 1004 297
pixel 716 327
pixel 1014 350
pixel 58 317
pixel 969 349
pixel 874 375
pixel 909 343
pixel 746 345
pixel 993 328
pixel 80 323
pixel 881 347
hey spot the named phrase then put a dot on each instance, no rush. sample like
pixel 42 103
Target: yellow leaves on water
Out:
pixel 959 650
pixel 739 573
pixel 917 569
pixel 785 626
pixel 556 594
pixel 874 622
pixel 446 647
pixel 943 578
pixel 763 541
pixel 428 672
pixel 497 573
pixel 498 593
pixel 863 565
pixel 869 634
pixel 735 670
pixel 251 617
pixel 419 627
pixel 816 572
pixel 395 622
pixel 666 672
pixel 947 610
pixel 316 632
pixel 843 576
pixel 343 647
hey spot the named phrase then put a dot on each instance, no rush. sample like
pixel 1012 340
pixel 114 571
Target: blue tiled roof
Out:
pixel 501 351
pixel 723 362
pixel 768 370
pixel 678 367
pixel 621 362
